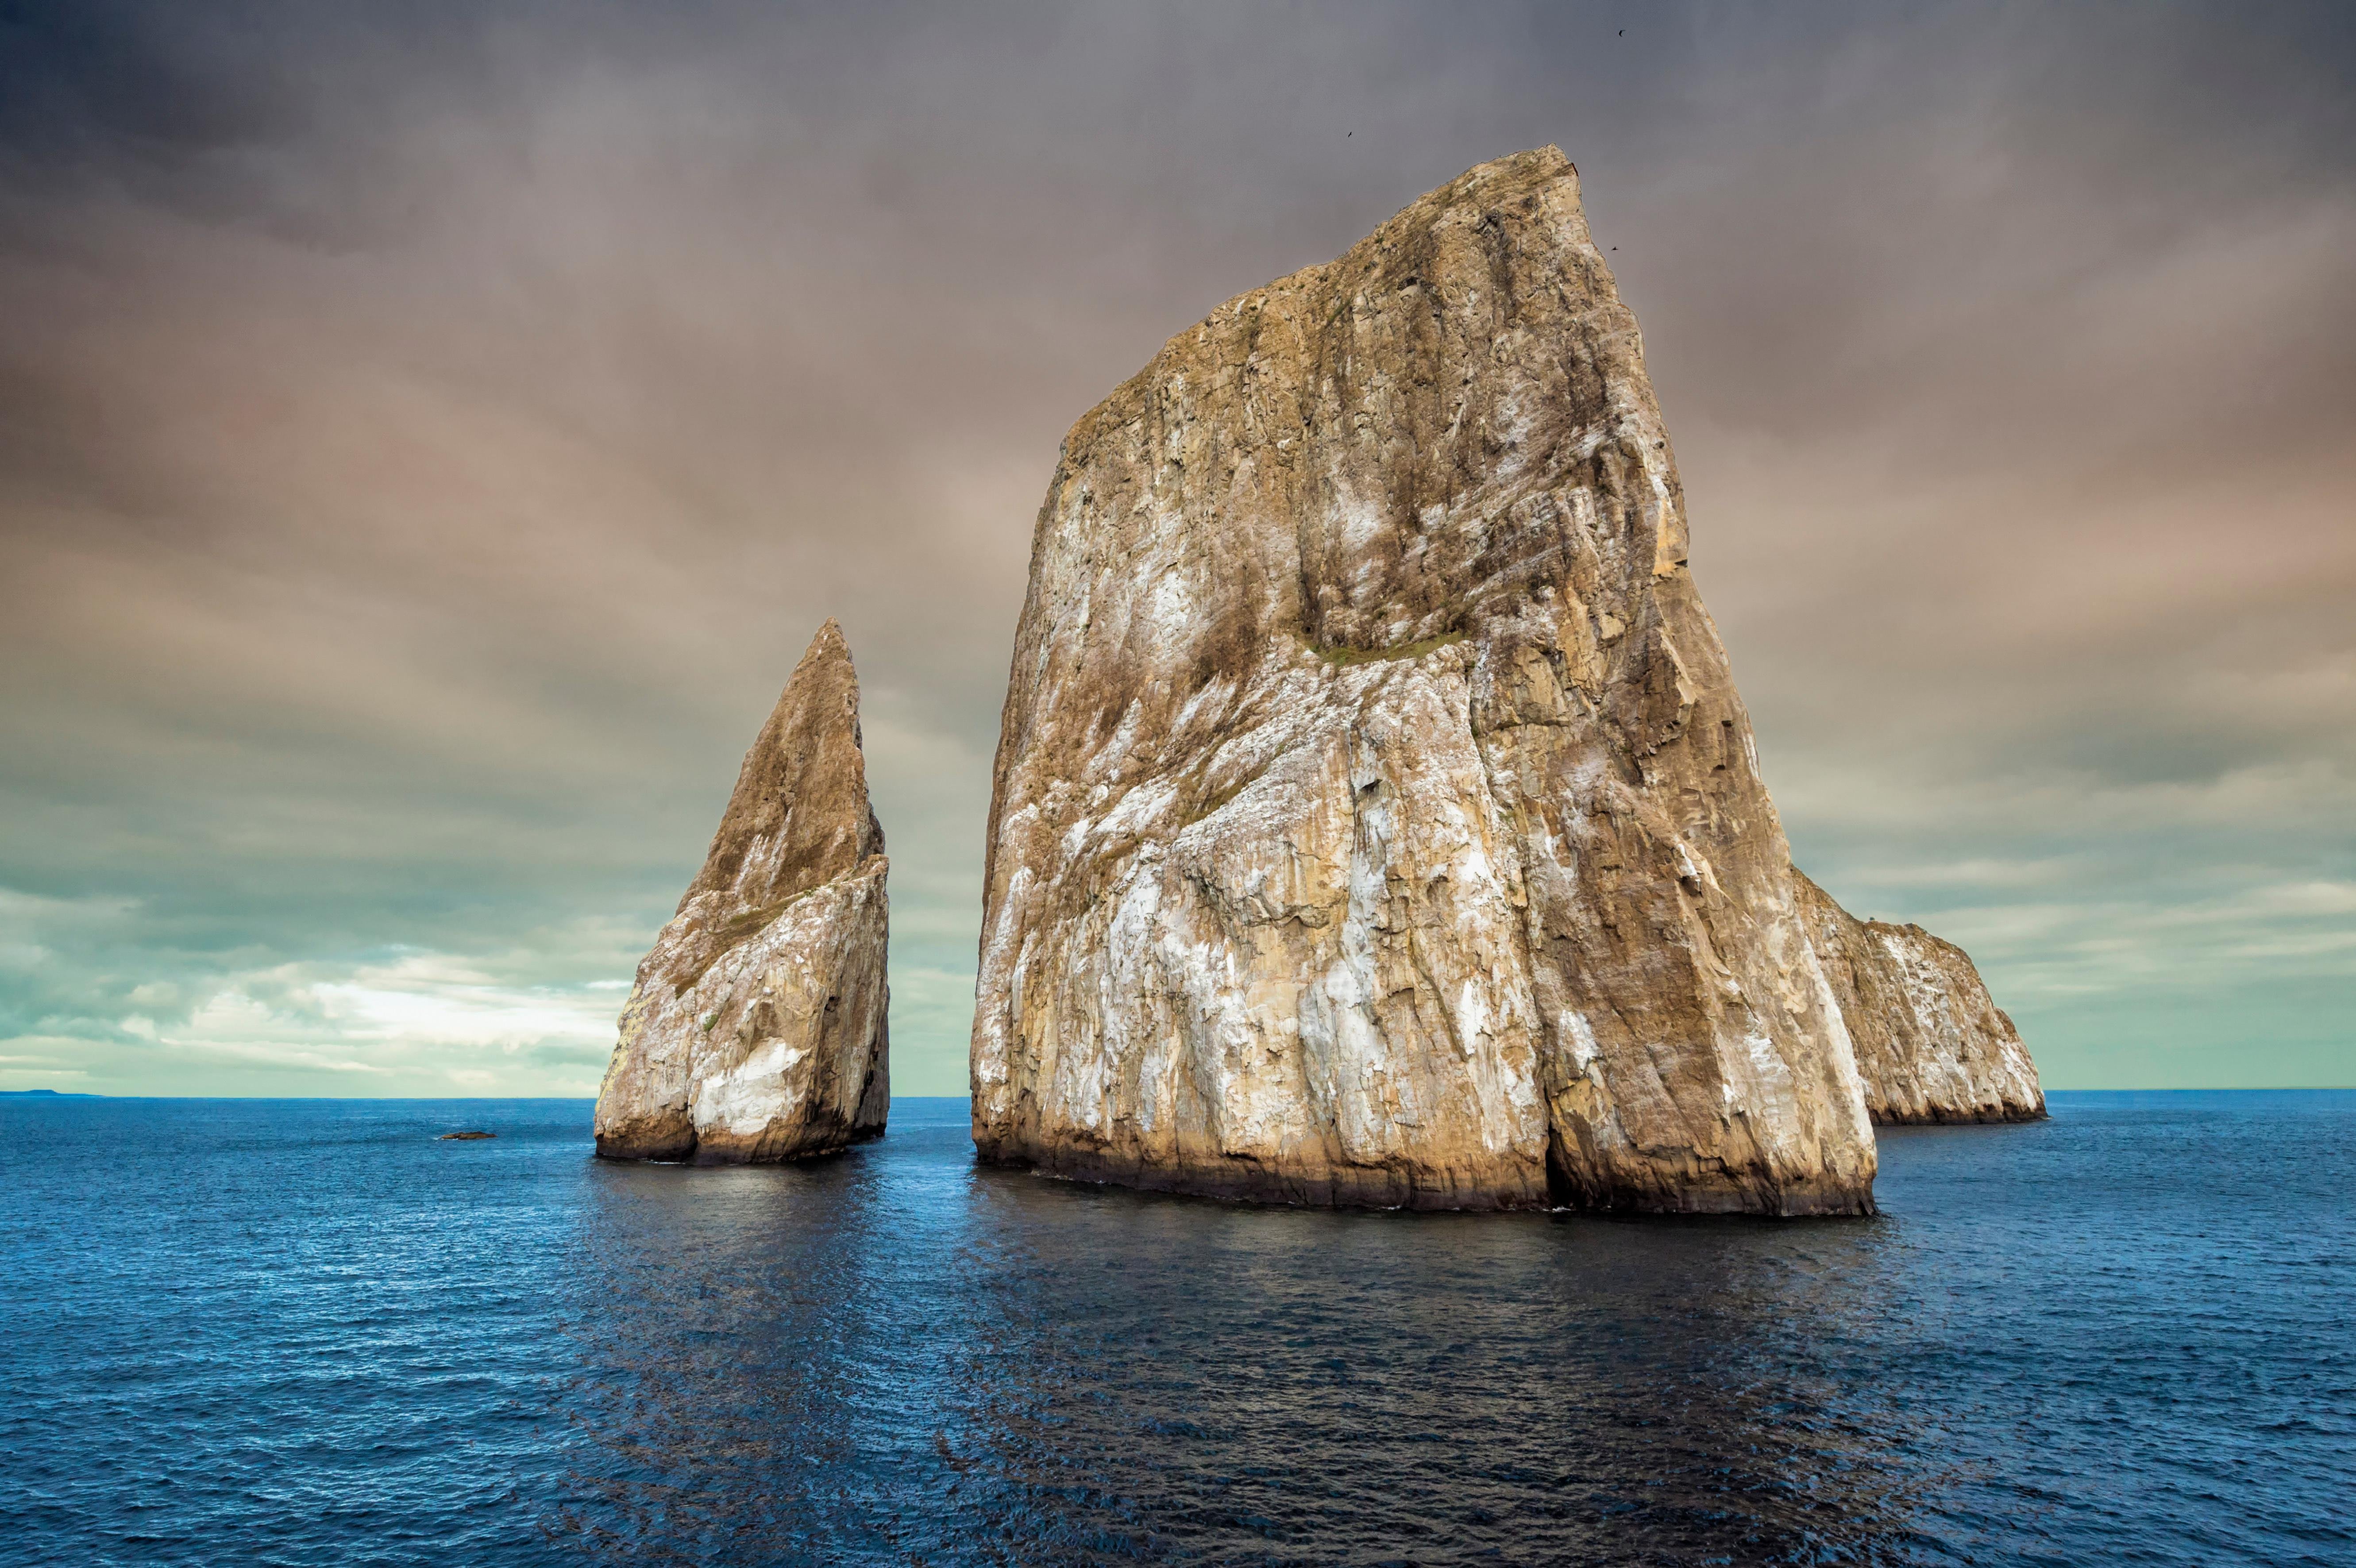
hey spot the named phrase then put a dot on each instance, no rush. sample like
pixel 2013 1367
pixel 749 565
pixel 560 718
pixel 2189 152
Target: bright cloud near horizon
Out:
pixel 429 435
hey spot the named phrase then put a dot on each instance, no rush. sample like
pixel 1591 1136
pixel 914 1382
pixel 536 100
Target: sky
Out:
pixel 429 435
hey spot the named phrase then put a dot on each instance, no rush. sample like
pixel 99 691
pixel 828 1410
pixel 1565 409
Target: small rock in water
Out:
pixel 465 1137
pixel 1930 1044
pixel 757 1029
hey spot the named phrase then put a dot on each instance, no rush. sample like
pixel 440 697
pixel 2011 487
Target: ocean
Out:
pixel 307 1331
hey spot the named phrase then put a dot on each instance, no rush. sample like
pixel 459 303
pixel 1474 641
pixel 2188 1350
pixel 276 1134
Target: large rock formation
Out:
pixel 1376 821
pixel 756 1029
pixel 1930 1044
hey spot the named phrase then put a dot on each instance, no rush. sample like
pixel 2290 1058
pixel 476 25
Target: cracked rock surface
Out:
pixel 755 1031
pixel 1932 1045
pixel 1375 820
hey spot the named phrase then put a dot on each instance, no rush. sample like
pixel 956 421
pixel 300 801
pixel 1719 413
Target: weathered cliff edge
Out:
pixel 1376 821
pixel 1930 1044
pixel 756 1029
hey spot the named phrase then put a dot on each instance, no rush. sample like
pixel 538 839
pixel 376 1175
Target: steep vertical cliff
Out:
pixel 1930 1044
pixel 756 1029
pixel 1376 820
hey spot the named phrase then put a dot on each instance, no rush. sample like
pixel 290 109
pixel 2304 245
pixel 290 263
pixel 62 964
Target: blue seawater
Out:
pixel 308 1332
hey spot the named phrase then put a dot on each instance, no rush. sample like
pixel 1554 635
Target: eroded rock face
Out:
pixel 1930 1044
pixel 756 1029
pixel 1376 821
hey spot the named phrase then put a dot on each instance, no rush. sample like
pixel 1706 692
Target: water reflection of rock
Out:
pixel 896 1358
pixel 1239 1385
pixel 724 1333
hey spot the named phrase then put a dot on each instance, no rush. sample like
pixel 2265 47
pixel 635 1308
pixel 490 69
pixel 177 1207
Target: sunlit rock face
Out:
pixel 1932 1045
pixel 1376 821
pixel 756 1029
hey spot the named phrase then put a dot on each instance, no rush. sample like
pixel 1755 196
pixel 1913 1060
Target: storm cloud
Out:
pixel 429 434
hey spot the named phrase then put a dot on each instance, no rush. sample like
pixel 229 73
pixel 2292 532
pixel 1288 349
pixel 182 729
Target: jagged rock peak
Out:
pixel 799 814
pixel 756 1029
pixel 1375 818
pixel 1932 1045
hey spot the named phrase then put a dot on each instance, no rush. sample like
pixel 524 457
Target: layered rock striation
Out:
pixel 1930 1044
pixel 756 1029
pixel 1375 820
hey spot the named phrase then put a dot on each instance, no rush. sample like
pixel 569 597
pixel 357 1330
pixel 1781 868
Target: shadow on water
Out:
pixel 901 1357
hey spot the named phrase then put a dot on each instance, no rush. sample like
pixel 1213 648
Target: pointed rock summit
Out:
pixel 756 1029
pixel 1376 821
pixel 1930 1044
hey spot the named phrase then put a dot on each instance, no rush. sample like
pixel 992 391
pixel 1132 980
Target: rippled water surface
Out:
pixel 307 1332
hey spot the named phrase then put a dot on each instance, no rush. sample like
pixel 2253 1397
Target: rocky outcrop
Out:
pixel 1930 1044
pixel 1375 820
pixel 756 1029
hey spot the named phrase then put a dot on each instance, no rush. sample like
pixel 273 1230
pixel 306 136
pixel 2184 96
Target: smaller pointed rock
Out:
pixel 1932 1045
pixel 757 1032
